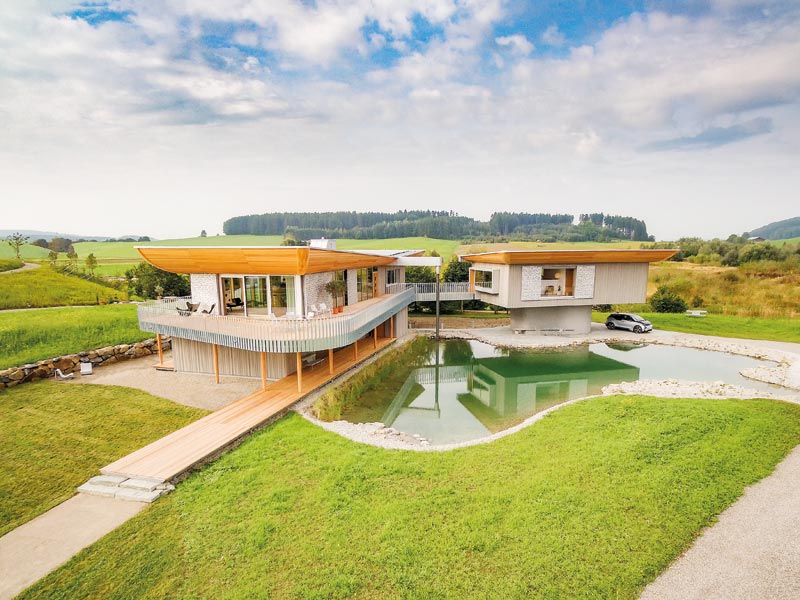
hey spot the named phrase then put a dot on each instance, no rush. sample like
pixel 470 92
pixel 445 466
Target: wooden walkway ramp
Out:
pixel 176 453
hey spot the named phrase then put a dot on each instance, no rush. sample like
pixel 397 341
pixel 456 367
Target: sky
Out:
pixel 166 117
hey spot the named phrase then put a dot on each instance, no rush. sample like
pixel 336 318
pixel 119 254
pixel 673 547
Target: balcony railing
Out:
pixel 272 335
pixel 426 292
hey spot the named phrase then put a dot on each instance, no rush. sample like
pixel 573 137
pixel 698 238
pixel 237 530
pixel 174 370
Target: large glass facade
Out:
pixel 365 278
pixel 260 295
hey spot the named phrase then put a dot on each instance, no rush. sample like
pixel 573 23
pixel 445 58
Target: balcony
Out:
pixel 259 334
pixel 426 292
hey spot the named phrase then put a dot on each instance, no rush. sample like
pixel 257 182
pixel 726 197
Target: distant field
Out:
pixel 480 247
pixel 787 241
pixel 30 335
pixel 103 250
pixel 125 250
pixel 27 251
pixel 46 287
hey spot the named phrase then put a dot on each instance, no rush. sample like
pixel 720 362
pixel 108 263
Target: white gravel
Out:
pixel 785 372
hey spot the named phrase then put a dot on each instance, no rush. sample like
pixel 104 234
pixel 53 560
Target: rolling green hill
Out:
pixel 780 230
pixel 27 251
pixel 105 250
pixel 46 287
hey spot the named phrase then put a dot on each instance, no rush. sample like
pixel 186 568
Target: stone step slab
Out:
pixel 98 490
pixel 110 480
pixel 145 485
pixel 138 495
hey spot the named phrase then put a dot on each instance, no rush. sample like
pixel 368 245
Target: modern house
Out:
pixel 556 289
pixel 268 311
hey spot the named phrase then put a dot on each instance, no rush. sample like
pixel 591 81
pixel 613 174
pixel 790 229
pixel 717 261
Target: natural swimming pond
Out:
pixel 460 390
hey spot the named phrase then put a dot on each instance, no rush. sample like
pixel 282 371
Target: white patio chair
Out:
pixel 61 377
pixel 323 308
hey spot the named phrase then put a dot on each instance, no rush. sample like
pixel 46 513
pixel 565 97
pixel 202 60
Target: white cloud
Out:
pixel 517 44
pixel 553 37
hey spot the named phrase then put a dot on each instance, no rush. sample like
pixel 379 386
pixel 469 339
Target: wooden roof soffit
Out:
pixel 583 257
pixel 256 260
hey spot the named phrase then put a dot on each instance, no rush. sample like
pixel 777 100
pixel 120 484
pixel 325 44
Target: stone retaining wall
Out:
pixel 71 362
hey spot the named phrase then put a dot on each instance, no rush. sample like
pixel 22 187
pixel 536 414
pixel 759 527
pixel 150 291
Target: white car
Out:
pixel 628 321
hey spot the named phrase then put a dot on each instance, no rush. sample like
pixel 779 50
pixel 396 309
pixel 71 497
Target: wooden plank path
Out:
pixel 177 452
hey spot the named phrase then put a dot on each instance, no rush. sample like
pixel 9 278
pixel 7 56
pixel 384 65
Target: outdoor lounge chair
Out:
pixel 208 311
pixel 61 377
pixel 187 310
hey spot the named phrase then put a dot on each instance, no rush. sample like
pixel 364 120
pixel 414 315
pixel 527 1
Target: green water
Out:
pixel 467 390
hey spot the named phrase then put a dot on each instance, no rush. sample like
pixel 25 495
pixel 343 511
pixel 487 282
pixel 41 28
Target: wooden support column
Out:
pixel 330 361
pixel 355 350
pixel 375 339
pixel 264 370
pixel 160 349
pixel 391 327
pixel 215 351
pixel 299 373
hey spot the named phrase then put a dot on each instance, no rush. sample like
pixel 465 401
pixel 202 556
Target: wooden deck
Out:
pixel 176 453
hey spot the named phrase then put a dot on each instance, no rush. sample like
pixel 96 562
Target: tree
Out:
pixel 72 256
pixel 17 241
pixel 41 242
pixel 60 244
pixel 203 233
pixel 666 300
pixel 91 263
pixel 146 281
pixel 456 270
pixel 52 256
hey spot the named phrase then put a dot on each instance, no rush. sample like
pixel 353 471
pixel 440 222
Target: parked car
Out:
pixel 628 321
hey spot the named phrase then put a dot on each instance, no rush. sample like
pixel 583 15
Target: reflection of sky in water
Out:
pixel 478 389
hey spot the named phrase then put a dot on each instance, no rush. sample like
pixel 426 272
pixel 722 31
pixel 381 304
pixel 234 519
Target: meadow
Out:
pixel 31 335
pixel 58 435
pixel 592 501
pixel 47 287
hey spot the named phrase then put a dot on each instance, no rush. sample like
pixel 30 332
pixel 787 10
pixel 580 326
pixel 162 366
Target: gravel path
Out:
pixel 189 389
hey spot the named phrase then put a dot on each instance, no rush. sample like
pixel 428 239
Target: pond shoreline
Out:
pixel 786 373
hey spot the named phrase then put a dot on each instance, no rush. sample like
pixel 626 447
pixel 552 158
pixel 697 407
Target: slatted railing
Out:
pixel 271 335
pixel 426 292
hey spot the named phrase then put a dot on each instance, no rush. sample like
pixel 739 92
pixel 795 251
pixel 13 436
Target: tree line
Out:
pixel 501 226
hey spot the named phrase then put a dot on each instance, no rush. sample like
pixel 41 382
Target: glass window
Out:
pixel 233 290
pixel 364 278
pixel 392 276
pixel 282 295
pixel 483 280
pixel 257 295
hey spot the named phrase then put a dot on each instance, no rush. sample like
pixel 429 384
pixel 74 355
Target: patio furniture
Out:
pixel 187 310
pixel 61 377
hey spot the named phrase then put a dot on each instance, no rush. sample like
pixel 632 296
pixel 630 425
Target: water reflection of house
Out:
pixel 462 402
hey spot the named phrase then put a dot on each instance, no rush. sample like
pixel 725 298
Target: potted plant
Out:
pixel 336 288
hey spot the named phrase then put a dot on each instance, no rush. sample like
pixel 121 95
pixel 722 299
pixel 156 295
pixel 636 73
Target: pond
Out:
pixel 464 390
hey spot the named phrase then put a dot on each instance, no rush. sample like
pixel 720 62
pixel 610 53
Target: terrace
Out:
pixel 263 334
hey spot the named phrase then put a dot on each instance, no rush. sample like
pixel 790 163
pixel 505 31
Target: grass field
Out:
pixel 751 328
pixel 591 502
pixel 616 245
pixel 9 264
pixel 46 287
pixel 31 335
pixel 55 436
pixel 26 251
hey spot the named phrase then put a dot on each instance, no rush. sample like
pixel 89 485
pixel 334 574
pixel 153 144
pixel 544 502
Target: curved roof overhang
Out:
pixel 256 260
pixel 580 257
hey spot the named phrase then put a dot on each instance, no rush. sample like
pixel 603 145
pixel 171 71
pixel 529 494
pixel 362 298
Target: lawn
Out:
pixel 591 502
pixel 46 287
pixel 751 328
pixel 31 335
pixel 55 436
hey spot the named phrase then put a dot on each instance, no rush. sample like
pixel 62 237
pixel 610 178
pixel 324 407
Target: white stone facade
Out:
pixel 584 281
pixel 531 282
pixel 205 289
pixel 314 292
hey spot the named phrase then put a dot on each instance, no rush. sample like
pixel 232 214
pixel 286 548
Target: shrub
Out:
pixel 666 300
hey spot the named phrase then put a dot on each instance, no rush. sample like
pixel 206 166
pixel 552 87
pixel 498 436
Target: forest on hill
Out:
pixel 780 230
pixel 501 226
